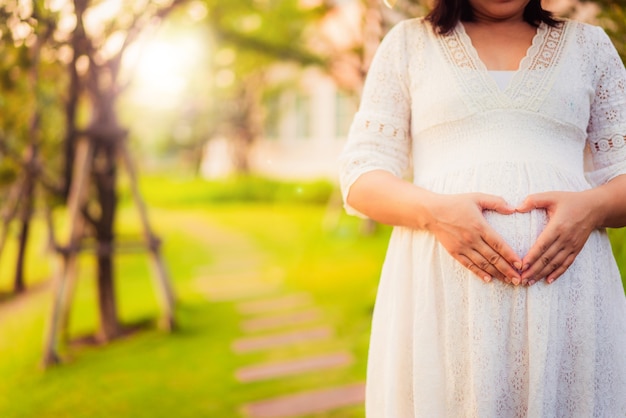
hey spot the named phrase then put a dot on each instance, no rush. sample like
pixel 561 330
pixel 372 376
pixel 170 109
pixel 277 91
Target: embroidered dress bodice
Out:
pixel 445 344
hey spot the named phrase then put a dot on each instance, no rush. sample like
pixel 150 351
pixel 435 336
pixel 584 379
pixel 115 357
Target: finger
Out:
pixel 556 261
pixel 562 268
pixel 510 262
pixel 491 262
pixel 536 201
pixel 543 266
pixel 486 265
pixel 539 256
pixel 471 266
pixel 527 205
pixel 495 203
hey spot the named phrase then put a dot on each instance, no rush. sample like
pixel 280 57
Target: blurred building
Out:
pixel 307 123
pixel 306 130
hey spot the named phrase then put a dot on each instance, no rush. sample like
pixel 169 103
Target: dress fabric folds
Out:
pixel 443 343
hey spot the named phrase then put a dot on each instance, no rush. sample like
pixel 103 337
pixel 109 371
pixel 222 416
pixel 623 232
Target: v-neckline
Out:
pixel 523 65
pixel 536 40
pixel 535 73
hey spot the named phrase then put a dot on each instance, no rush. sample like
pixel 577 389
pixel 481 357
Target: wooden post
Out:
pixel 162 282
pixel 66 279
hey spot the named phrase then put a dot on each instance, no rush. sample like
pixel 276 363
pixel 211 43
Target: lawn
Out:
pixel 189 373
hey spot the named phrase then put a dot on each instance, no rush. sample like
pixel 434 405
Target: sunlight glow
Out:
pixel 96 17
pixel 160 70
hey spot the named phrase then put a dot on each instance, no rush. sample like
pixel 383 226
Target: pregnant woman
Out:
pixel 491 135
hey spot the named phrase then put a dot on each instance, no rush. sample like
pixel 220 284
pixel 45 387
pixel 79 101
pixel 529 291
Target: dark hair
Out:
pixel 447 13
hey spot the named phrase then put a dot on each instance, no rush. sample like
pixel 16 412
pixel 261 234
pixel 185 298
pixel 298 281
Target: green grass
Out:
pixel 189 373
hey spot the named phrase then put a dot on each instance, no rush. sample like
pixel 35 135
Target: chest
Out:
pixel 451 82
pixel 501 50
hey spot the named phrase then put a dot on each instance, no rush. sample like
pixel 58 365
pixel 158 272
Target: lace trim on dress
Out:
pixel 385 129
pixel 537 68
pixel 548 49
pixel 459 54
pixel 531 82
pixel 607 144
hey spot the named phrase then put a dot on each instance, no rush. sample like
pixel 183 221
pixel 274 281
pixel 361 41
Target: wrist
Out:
pixel 599 200
pixel 427 205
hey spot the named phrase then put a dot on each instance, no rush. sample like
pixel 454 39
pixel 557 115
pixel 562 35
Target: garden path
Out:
pixel 276 324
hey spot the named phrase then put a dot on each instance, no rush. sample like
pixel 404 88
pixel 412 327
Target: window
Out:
pixel 345 109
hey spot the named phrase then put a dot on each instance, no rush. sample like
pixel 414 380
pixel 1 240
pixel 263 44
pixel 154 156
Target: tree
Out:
pixel 29 118
pixel 70 54
pixel 258 36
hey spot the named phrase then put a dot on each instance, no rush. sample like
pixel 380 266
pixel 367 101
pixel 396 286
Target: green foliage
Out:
pixel 265 32
pixel 172 191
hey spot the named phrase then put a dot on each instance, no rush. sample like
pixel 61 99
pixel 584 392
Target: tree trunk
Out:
pixel 105 179
pixel 109 325
pixel 19 284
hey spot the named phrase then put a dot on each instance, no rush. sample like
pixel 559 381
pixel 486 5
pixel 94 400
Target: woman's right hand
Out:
pixel 458 223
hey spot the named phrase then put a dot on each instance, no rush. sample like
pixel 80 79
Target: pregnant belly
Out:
pixel 519 230
pixel 513 181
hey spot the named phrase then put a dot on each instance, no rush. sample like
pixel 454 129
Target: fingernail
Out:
pixel 550 280
pixel 487 279
pixel 516 281
pixel 531 282
pixel 517 265
pixel 526 267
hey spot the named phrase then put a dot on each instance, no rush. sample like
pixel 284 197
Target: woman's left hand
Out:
pixel 571 219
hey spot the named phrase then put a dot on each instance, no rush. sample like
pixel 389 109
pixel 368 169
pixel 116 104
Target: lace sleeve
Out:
pixel 607 124
pixel 379 135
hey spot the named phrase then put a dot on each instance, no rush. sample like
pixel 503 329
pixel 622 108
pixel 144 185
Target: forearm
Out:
pixel 387 199
pixel 611 202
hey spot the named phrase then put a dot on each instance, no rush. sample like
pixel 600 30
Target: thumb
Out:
pixel 535 201
pixel 495 203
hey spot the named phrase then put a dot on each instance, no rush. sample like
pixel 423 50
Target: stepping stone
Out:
pixel 293 367
pixel 266 323
pixel 297 300
pixel 237 291
pixel 306 403
pixel 225 265
pixel 249 344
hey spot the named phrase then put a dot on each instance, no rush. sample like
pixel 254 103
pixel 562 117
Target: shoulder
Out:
pixel 585 34
pixel 410 28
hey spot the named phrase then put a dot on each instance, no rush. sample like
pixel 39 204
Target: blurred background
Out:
pixel 172 238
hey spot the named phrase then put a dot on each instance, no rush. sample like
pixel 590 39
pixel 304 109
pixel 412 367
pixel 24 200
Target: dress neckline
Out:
pixel 536 68
pixel 530 51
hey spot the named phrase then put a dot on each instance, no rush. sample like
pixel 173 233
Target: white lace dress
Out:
pixel 443 343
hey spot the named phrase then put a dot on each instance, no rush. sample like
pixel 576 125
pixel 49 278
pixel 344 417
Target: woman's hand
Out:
pixel 572 216
pixel 458 223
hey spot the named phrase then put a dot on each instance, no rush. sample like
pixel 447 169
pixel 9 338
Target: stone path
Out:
pixel 305 403
pixel 275 324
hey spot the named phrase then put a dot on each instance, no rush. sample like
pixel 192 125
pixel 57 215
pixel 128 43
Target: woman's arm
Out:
pixel 572 218
pixel 456 221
